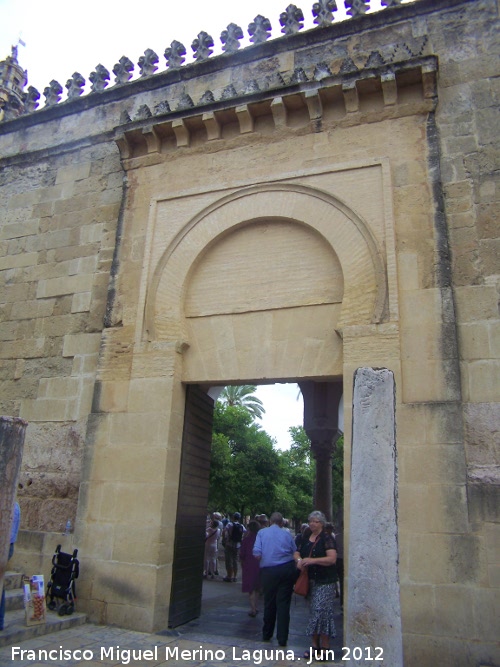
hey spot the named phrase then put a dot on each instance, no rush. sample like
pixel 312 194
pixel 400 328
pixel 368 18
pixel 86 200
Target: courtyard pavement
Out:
pixel 223 636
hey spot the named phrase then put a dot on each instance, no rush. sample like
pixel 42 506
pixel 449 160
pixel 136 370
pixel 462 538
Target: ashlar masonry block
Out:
pixel 18 261
pixel 75 172
pixel 67 285
pixel 483 380
pixel 81 302
pixel 42 409
pixel 476 303
pixel 81 344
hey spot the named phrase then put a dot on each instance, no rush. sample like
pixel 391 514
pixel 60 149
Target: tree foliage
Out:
pixel 338 477
pixel 243 396
pixel 249 475
pixel 298 477
pixel 244 463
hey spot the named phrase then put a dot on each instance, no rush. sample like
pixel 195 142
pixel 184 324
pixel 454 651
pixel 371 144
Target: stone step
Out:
pixel 15 628
pixel 12 580
pixel 14 599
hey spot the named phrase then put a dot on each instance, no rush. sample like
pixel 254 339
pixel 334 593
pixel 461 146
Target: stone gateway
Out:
pixel 292 211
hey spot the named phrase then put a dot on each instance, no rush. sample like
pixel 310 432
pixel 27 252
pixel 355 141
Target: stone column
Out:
pixel 322 448
pixel 12 433
pixel 373 605
pixel 321 412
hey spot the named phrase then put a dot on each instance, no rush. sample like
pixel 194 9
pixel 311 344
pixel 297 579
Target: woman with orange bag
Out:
pixel 318 554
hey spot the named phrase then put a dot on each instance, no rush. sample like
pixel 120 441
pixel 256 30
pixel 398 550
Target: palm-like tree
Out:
pixel 243 396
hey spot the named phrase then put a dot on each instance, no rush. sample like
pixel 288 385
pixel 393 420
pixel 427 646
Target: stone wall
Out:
pixel 363 151
pixel 58 237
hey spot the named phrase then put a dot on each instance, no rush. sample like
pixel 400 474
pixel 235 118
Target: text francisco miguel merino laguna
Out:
pixel 130 656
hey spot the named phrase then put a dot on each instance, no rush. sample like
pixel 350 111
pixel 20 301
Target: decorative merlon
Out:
pixel 123 70
pixel 99 78
pixel 292 20
pixel 230 38
pixel 259 31
pixel 323 12
pixel 148 63
pixel 75 85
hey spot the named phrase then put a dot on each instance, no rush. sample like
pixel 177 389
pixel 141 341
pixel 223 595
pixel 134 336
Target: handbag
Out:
pixel 302 584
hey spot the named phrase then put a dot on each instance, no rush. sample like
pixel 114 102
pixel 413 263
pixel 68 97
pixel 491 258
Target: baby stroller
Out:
pixel 65 570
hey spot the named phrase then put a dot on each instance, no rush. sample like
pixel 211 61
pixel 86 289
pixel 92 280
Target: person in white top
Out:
pixel 212 535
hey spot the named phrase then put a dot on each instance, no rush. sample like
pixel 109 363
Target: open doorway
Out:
pixel 222 602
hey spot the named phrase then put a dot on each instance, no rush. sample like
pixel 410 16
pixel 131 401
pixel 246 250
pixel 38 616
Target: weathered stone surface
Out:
pixel 12 435
pixel 373 606
pixel 482 428
pixel 369 187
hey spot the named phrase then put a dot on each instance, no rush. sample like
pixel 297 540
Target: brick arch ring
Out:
pixel 362 263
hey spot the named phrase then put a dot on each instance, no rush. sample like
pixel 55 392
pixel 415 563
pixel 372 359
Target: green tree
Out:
pixel 257 468
pixel 222 482
pixel 250 475
pixel 300 449
pixel 244 463
pixel 295 488
pixel 338 476
pixel 243 396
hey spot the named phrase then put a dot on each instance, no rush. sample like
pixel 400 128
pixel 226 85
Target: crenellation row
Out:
pixel 259 31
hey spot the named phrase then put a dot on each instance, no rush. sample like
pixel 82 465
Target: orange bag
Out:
pixel 302 584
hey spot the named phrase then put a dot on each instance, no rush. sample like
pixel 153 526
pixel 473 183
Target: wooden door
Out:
pixel 187 572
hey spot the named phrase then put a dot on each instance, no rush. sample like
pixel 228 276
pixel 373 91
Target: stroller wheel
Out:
pixel 70 609
pixel 62 610
pixel 52 605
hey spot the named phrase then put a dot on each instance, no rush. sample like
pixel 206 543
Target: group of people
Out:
pixel 271 561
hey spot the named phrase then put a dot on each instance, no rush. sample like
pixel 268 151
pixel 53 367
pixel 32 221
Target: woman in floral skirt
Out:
pixel 318 554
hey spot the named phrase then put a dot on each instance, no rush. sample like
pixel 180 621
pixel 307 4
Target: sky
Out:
pixel 63 36
pixel 60 37
pixel 284 407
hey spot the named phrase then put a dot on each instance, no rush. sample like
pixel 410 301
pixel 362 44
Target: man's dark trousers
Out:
pixel 277 586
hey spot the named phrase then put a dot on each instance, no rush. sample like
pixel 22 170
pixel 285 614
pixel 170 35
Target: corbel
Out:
pixel 314 105
pixel 351 97
pixel 429 80
pixel 212 126
pixel 280 113
pixel 153 141
pixel 389 88
pixel 123 145
pixel 182 134
pixel 245 118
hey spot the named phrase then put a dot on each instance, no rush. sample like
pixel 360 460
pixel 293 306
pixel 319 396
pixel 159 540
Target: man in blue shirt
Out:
pixel 274 547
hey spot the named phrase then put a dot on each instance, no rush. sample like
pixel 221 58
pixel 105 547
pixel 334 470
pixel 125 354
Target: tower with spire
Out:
pixel 13 79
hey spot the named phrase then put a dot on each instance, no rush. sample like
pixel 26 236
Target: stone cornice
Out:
pixel 329 98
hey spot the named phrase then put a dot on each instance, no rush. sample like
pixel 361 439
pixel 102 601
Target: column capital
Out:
pixel 323 442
